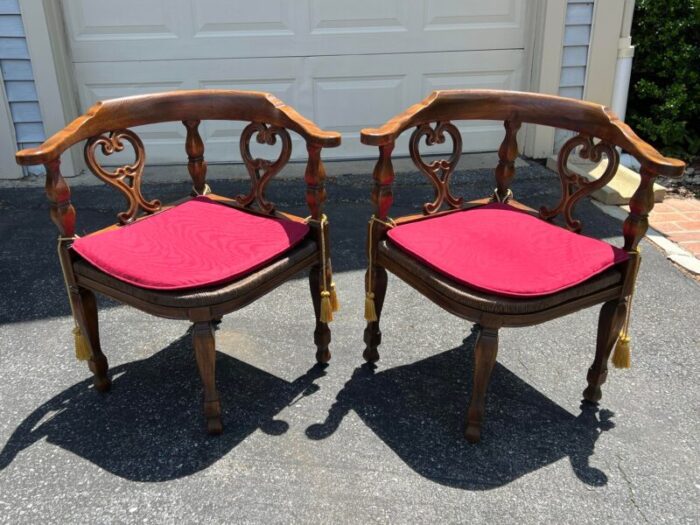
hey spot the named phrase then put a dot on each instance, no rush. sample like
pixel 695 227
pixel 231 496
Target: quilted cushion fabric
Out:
pixel 498 249
pixel 197 243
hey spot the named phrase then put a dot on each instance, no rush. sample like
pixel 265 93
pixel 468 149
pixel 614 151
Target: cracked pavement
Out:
pixel 345 443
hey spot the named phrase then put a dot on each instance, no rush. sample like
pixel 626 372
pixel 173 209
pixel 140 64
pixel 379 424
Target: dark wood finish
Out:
pixel 438 171
pixel 205 354
pixel 205 104
pixel 485 352
pixel 322 334
pixel 507 153
pixel 86 305
pixel 548 110
pixel 612 315
pixel 261 171
pixel 599 132
pixel 127 178
pixel 106 125
pixel 196 165
pixel 574 186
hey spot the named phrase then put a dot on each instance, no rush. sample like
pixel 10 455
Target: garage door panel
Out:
pixel 91 21
pixel 348 104
pixel 360 16
pixel 345 65
pixel 165 141
pixel 224 18
pixel 104 30
pixel 474 15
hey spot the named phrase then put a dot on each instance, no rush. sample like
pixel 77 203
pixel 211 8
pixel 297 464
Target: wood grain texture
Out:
pixel 196 165
pixel 205 104
pixel 106 127
pixel 548 110
pixel 599 132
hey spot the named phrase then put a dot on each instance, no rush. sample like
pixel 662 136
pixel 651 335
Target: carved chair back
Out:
pixel 107 126
pixel 598 134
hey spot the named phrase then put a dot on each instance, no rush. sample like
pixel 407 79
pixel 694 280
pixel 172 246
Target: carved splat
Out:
pixel 127 178
pixel 440 171
pixel 262 170
pixel 574 186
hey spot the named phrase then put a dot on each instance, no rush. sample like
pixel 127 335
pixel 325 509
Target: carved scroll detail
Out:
pixel 127 178
pixel 262 170
pixel 573 186
pixel 440 171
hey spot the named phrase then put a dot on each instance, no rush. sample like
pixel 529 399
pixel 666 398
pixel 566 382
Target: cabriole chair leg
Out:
pixel 612 315
pixel 205 353
pixel 373 335
pixel 485 352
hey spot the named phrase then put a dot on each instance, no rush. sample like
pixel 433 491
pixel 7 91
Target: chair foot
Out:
pixel 212 412
pixel 371 355
pixel 485 353
pixel 102 384
pixel 473 432
pixel 323 356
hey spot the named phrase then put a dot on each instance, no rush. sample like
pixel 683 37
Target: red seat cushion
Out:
pixel 498 249
pixel 197 243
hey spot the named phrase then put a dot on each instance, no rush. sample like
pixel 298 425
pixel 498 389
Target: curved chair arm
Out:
pixel 548 110
pixel 210 104
pixel 107 125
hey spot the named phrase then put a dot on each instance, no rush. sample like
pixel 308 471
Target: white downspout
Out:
pixel 623 70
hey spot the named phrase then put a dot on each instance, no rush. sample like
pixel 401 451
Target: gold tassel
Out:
pixel 335 303
pixel 326 309
pixel 621 357
pixel 82 349
pixel 370 310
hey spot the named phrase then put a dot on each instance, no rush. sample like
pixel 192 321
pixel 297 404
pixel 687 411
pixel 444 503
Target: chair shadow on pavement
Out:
pixel 418 409
pixel 150 426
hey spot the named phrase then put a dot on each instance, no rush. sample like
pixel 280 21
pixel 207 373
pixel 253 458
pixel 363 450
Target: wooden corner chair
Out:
pixel 205 255
pixel 494 261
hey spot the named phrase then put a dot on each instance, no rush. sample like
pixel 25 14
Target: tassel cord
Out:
pixel 621 356
pixel 82 349
pixel 370 306
pixel 329 296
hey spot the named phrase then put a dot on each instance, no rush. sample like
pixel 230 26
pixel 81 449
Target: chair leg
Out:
pixel 484 360
pixel 85 308
pixel 205 353
pixel 612 315
pixel 373 335
pixel 322 333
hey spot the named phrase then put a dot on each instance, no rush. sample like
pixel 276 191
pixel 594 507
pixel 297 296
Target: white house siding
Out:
pixel 18 78
pixel 577 36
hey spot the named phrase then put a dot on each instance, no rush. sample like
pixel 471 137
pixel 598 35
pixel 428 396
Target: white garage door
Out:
pixel 344 64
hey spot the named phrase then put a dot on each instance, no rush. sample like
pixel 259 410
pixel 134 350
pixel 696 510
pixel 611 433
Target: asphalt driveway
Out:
pixel 346 443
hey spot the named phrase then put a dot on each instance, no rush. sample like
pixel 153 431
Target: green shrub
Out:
pixel 664 98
